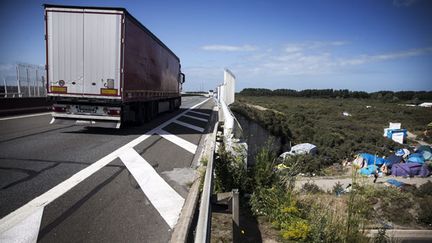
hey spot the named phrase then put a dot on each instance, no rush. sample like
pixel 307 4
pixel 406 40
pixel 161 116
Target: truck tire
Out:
pixel 140 114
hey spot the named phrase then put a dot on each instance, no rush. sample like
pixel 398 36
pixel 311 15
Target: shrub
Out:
pixel 296 230
pixel 425 211
pixel 310 187
pixel 263 173
pixel 230 172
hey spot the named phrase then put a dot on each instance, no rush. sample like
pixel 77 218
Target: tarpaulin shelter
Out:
pixel 393 159
pixel 372 159
pixel 416 158
pixel 410 169
pixel 303 148
pixel 369 170
pixel 422 148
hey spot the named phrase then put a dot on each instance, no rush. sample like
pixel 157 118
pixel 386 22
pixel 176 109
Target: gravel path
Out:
pixel 327 183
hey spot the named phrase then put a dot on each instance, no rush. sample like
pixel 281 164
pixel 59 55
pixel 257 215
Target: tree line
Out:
pixel 340 93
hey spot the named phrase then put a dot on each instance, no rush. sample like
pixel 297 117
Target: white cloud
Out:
pixel 228 48
pixel 292 59
pixel 383 57
pixel 304 61
pixel 311 45
pixel 293 48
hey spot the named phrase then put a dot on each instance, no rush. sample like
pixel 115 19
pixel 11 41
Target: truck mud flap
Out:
pixel 86 123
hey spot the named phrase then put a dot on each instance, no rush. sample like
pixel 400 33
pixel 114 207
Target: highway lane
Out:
pixel 135 196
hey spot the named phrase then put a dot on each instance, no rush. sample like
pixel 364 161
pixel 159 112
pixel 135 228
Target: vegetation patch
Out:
pixel 312 215
pixel 320 121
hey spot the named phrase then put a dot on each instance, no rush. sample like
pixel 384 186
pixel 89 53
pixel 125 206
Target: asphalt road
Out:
pixel 75 184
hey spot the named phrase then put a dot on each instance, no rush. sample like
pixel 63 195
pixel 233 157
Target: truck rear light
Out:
pixel 62 108
pixel 112 111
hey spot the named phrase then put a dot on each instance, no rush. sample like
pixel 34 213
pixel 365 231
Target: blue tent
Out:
pixel 416 158
pixel 372 159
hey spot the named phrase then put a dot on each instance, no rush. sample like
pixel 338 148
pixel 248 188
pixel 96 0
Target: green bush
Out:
pixel 230 172
pixel 425 211
pixel 310 187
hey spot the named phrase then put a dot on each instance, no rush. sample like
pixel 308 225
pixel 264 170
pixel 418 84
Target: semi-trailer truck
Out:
pixel 105 68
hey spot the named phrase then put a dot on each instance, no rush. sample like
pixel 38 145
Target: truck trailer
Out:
pixel 105 68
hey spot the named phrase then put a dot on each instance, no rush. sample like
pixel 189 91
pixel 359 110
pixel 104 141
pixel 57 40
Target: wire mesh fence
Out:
pixel 22 80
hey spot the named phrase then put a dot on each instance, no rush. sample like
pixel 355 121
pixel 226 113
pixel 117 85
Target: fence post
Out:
pixel 44 91
pixel 4 81
pixel 37 83
pixel 28 83
pixel 18 81
pixel 236 215
pixel 34 85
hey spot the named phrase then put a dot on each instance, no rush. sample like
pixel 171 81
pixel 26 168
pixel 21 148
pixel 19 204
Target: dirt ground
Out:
pixel 251 229
pixel 327 183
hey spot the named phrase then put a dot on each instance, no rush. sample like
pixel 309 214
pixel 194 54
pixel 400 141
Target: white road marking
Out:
pixel 26 231
pixel 196 128
pixel 24 116
pixel 199 113
pixel 197 118
pixel 19 215
pixel 190 147
pixel 161 195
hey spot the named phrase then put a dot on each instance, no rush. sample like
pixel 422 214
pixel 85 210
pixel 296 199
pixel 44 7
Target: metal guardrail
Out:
pixel 11 106
pixel 232 130
pixel 203 226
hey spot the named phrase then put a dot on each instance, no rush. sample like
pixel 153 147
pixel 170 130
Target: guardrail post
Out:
pixel 236 215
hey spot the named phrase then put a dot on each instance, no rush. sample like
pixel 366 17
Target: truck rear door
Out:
pixel 65 32
pixel 84 49
pixel 102 33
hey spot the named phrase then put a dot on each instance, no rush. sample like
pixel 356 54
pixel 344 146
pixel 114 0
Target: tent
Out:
pixel 416 158
pixel 410 169
pixel 369 170
pixel 372 159
pixel 303 148
pixel 393 159
pixel 422 148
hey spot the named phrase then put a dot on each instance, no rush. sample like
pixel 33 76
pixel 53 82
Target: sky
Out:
pixel 367 45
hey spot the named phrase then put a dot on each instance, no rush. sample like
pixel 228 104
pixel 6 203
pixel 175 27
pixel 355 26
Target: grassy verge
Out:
pixel 312 215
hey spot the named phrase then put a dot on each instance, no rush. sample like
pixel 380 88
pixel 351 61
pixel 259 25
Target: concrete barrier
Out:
pixel 12 106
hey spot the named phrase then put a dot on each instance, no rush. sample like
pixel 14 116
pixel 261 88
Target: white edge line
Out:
pixel 190 147
pixel 26 210
pixel 24 116
pixel 161 195
pixel 200 113
pixel 196 128
pixel 197 118
pixel 26 231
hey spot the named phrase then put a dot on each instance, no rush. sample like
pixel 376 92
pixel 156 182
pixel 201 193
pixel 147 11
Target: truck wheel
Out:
pixel 149 111
pixel 140 114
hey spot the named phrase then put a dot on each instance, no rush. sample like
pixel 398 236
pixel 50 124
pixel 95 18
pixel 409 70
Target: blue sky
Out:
pixel 359 45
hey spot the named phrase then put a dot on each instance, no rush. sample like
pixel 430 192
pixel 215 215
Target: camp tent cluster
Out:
pixel 403 162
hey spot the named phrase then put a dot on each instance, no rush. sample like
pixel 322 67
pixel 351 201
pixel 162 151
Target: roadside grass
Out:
pixel 313 215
